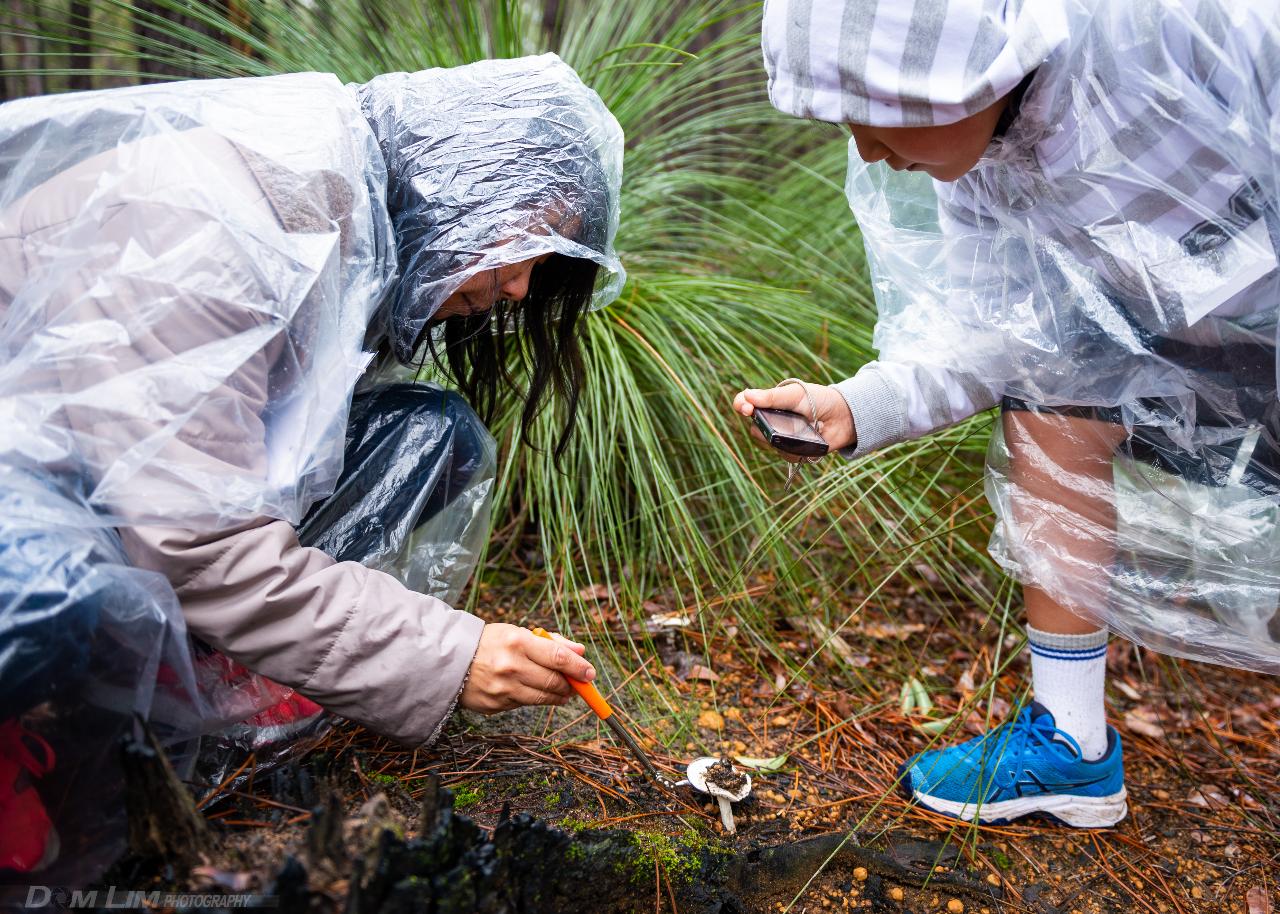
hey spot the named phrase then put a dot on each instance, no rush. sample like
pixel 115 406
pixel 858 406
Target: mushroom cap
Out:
pixel 697 774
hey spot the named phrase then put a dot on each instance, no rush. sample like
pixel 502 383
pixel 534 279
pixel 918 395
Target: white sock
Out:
pixel 1068 673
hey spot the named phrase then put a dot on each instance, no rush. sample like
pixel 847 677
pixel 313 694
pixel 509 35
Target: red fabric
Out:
pixel 27 830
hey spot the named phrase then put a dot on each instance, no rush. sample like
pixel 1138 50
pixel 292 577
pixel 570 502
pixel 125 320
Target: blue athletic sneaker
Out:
pixel 1025 765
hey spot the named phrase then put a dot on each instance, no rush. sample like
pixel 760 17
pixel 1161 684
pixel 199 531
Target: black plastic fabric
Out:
pixel 86 641
pixel 411 450
pixel 49 602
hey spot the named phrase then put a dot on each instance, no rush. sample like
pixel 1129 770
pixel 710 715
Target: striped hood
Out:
pixel 899 63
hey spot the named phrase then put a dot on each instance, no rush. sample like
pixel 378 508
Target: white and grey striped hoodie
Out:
pixel 1126 212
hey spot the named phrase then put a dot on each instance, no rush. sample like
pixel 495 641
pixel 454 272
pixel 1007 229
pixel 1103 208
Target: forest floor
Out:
pixel 1202 756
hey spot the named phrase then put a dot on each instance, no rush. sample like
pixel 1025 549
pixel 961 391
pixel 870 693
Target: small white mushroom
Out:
pixel 697 774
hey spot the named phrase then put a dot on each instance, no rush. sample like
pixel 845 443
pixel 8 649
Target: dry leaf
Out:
pixel 227 879
pixel 887 630
pixel 1129 691
pixel 1208 796
pixel 1145 722
pixel 1246 800
pixel 698 671
pixel 929 576
pixel 830 639
pixel 762 764
pixel 711 720
pixel 1244 718
pixel 1258 900
pixel 595 592
pixel 934 727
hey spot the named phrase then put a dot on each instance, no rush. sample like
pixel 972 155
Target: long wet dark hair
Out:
pixel 538 336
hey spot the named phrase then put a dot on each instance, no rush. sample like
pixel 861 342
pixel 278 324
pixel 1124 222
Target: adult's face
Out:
pixel 484 289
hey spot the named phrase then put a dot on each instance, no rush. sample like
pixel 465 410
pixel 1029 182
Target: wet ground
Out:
pixel 825 831
pixel 1185 847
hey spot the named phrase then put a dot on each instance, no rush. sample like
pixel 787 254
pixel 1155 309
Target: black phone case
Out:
pixel 789 444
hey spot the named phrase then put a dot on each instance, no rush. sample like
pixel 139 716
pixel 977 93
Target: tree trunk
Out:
pixel 167 55
pixel 26 47
pixel 80 48
pixel 241 18
pixel 552 23
pixel 163 821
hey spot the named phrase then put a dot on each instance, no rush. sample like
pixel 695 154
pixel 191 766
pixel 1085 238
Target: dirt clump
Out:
pixel 725 776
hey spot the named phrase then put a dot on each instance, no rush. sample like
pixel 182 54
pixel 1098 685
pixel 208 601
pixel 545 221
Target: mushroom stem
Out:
pixel 726 815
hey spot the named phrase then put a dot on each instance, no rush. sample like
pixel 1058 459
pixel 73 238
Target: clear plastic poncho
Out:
pixel 1109 271
pixel 536 169
pixel 192 278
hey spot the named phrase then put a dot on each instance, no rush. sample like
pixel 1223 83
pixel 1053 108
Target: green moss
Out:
pixel 466 795
pixel 385 780
pixel 679 857
pixel 573 825
pixel 553 798
pixel 1001 859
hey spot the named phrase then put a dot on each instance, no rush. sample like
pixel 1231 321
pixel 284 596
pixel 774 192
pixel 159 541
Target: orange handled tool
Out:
pixel 591 695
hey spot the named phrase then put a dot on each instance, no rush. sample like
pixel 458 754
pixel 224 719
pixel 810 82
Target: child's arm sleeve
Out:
pixel 934 349
pixel 899 401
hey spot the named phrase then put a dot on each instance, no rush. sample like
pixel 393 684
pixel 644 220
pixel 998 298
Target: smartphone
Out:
pixel 790 432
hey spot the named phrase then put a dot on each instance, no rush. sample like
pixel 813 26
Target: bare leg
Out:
pixel 1063 504
pixel 1060 467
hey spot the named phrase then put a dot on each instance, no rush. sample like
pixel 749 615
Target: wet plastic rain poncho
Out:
pixel 193 277
pixel 1110 262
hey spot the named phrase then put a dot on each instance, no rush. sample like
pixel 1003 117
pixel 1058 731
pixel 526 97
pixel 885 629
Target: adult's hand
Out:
pixel 514 667
pixel 832 411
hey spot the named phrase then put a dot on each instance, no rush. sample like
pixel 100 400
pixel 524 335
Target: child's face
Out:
pixel 945 153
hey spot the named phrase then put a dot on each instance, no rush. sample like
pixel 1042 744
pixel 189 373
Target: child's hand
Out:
pixel 833 411
pixel 515 667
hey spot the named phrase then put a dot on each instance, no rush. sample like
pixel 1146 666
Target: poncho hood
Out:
pixel 487 165
pixel 903 64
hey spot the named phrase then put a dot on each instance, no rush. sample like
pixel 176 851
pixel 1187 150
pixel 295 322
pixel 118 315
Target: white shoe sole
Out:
pixel 1078 812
